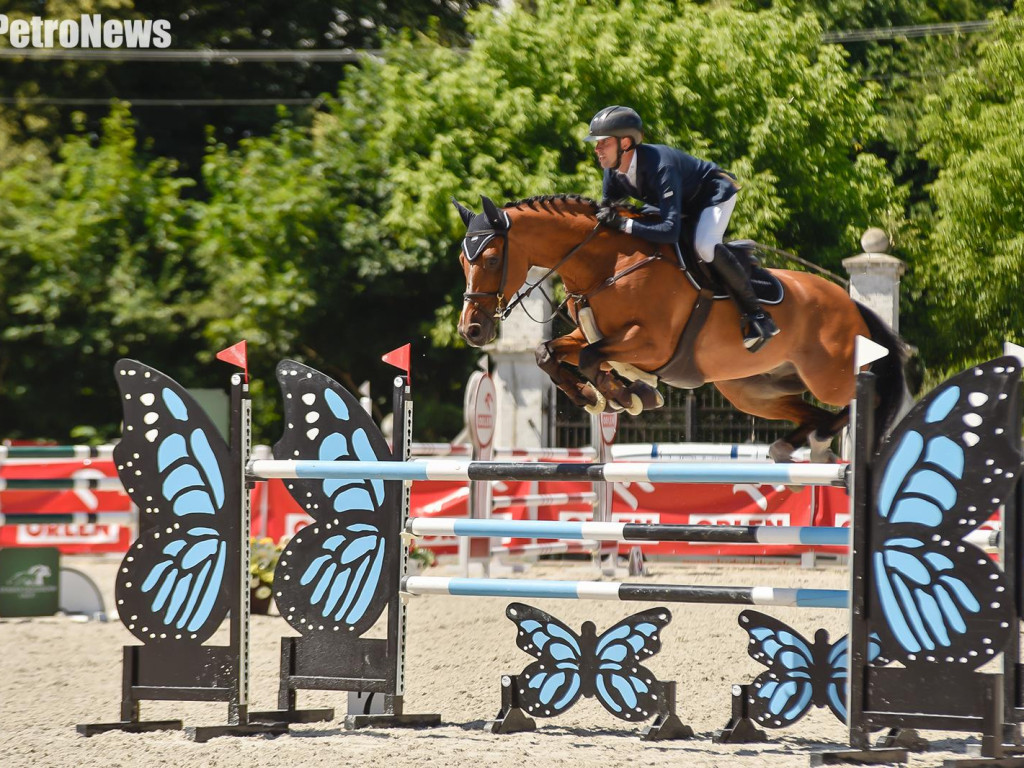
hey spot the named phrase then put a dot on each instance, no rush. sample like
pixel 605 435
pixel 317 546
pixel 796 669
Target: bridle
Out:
pixel 501 310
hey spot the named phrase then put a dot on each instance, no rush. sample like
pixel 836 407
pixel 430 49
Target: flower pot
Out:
pixel 260 600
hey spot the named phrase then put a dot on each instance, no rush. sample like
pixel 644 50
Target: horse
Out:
pixel 633 304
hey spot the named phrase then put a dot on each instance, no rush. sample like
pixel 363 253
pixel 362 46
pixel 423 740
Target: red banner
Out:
pixel 69 538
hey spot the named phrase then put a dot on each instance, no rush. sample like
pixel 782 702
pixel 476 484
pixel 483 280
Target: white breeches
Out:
pixel 711 227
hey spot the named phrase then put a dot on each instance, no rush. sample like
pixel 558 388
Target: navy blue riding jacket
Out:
pixel 673 184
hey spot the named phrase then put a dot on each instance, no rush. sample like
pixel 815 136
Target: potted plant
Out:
pixel 263 557
pixel 420 559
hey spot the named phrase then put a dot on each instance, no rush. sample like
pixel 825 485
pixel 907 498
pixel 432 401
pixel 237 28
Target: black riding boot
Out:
pixel 758 326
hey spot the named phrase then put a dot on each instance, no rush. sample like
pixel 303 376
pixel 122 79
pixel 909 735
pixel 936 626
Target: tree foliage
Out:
pixel 969 244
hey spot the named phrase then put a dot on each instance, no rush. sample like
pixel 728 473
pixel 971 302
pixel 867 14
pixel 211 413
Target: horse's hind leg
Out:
pixel 778 395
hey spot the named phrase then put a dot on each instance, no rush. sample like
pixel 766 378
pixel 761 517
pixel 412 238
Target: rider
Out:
pixel 675 184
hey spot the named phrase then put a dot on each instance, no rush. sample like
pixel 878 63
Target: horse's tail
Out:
pixel 890 373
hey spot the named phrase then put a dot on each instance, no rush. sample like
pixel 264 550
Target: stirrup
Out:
pixel 758 328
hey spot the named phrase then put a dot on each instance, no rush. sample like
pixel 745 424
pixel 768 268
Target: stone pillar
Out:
pixel 524 391
pixel 875 277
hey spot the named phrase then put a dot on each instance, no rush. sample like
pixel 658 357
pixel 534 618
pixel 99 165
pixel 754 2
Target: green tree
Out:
pixel 94 253
pixel 969 244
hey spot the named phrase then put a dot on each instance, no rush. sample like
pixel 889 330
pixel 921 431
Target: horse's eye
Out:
pixel 491 260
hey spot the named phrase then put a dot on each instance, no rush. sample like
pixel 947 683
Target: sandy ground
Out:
pixel 56 672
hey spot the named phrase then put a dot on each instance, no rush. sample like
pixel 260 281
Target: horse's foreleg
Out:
pixel 556 358
pixel 620 393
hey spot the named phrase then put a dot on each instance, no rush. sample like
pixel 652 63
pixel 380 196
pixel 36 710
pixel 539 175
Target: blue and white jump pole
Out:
pixel 624 592
pixel 615 472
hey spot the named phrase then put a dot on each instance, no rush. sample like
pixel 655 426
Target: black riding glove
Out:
pixel 610 218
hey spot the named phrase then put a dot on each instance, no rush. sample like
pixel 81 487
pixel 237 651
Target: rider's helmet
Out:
pixel 617 121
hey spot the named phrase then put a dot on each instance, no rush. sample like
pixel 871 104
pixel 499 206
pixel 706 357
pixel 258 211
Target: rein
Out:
pixel 584 298
pixel 580 300
pixel 501 310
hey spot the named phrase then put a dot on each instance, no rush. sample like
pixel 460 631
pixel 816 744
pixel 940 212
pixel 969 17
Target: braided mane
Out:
pixel 556 203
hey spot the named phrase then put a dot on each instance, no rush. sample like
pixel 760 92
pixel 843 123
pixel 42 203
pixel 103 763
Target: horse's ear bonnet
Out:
pixel 464 212
pixel 482 227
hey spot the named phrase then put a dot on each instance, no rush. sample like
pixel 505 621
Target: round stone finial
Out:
pixel 874 240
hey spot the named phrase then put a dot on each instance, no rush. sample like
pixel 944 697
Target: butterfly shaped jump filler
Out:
pixel 176 468
pixel 330 576
pixel 800 673
pixel 605 666
pixel 947 468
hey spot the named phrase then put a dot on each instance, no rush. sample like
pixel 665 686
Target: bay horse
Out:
pixel 632 301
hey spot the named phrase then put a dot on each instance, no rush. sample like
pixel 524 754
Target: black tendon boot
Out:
pixel 758 326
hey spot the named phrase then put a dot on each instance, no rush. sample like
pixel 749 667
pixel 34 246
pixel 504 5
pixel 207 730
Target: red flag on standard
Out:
pixel 398 358
pixel 236 355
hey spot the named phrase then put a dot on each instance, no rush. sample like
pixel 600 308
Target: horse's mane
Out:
pixel 567 203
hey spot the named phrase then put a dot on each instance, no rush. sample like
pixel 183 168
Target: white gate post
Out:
pixel 875 277
pixel 523 389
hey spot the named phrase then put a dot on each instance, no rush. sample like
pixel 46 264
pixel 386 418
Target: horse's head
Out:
pixel 492 275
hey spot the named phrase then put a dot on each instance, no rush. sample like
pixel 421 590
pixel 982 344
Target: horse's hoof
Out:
pixel 781 452
pixel 649 396
pixel 598 405
pixel 821 450
pixel 826 456
pixel 636 407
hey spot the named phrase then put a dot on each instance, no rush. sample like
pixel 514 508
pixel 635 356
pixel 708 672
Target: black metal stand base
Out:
pixel 740 729
pixel 204 733
pixel 129 726
pixel 666 727
pixel 511 720
pixel 292 716
pixel 354 722
pixel 860 757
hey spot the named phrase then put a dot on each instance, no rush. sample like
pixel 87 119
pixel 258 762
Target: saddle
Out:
pixel 702 275
pixel 680 371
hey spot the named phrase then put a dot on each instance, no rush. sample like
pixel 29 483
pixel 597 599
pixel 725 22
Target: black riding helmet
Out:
pixel 620 122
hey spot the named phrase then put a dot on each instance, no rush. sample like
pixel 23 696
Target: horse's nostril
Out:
pixel 474 331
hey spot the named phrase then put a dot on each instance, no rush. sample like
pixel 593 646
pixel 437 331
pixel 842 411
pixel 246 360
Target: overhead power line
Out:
pixel 292 55
pixel 916 30
pixel 307 55
pixel 168 102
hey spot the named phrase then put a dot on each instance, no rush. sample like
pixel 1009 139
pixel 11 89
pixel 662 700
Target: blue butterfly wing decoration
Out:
pixel 334 573
pixel 626 688
pixel 176 468
pixel 552 684
pixel 837 663
pixel 944 471
pixel 784 693
pixel 606 666
pixel 800 673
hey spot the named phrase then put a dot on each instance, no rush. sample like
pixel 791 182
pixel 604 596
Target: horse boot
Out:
pixel 757 325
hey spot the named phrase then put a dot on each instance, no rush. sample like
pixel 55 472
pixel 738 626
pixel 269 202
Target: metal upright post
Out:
pixel 863 426
pixel 397 610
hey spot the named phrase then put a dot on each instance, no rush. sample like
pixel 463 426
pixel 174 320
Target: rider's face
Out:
pixel 607 150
